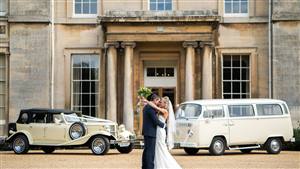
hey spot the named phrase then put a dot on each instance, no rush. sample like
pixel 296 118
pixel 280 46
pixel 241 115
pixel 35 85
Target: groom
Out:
pixel 150 122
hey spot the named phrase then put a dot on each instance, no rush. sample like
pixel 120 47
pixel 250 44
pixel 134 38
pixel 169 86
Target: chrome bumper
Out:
pixel 122 141
pixel 293 140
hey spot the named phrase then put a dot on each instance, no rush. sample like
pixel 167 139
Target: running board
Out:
pixel 242 148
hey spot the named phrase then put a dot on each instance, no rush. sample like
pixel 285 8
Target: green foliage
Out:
pixel 144 92
pixel 296 145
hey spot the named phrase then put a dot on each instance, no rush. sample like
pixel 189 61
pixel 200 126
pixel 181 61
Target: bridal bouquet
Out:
pixel 144 92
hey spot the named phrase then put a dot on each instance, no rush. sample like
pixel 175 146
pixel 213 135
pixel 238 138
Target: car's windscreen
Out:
pixel 188 111
pixel 70 118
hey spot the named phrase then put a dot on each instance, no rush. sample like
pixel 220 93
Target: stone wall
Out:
pixel 68 39
pixel 29 67
pixel 286 65
pixel 240 36
pixel 286 9
pixel 29 10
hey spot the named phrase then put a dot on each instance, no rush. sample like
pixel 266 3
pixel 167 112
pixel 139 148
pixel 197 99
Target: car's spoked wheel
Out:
pixel 77 130
pixel 100 145
pixel 217 146
pixel 20 145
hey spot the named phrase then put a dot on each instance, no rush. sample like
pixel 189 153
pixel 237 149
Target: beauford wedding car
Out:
pixel 241 124
pixel 49 129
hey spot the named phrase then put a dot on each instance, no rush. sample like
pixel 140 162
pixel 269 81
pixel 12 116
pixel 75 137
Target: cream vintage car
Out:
pixel 49 129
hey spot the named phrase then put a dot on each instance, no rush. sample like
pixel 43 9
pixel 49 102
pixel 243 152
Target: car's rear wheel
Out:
pixel 217 146
pixel 125 150
pixel 48 150
pixel 99 145
pixel 246 151
pixel 77 130
pixel 274 146
pixel 191 151
pixel 20 144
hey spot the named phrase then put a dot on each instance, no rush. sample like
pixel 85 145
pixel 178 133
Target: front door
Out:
pixel 161 77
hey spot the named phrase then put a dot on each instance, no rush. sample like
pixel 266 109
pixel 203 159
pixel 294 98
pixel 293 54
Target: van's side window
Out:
pixel 188 111
pixel 214 112
pixel 268 109
pixel 240 110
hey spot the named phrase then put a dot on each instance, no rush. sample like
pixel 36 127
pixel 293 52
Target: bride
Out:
pixel 163 159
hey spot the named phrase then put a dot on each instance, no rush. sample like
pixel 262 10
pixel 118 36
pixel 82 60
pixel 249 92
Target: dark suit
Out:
pixel 150 122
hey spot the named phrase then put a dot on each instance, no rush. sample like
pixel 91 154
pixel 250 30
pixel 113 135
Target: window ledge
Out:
pixel 85 16
pixel 244 20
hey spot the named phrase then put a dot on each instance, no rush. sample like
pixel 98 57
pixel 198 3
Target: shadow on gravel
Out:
pixel 225 154
pixel 61 153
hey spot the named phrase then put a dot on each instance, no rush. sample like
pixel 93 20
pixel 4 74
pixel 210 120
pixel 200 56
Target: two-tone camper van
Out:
pixel 237 124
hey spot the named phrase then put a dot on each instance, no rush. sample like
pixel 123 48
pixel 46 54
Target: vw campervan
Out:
pixel 243 124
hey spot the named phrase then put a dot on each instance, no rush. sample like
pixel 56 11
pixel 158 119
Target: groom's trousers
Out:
pixel 149 152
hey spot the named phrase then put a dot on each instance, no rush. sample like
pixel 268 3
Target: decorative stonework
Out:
pixel 190 44
pixel 2 29
pixel 159 16
pixel 111 44
pixel 131 44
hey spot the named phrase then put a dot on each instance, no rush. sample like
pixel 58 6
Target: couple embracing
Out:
pixel 158 115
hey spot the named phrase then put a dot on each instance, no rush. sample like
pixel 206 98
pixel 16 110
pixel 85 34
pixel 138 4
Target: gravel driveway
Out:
pixel 85 159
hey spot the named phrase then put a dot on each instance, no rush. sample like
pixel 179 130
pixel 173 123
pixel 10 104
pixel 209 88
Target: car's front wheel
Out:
pixel 99 145
pixel 191 151
pixel 125 150
pixel 48 150
pixel 20 144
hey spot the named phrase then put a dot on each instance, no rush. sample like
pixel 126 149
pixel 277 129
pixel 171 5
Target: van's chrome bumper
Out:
pixel 187 144
pixel 293 140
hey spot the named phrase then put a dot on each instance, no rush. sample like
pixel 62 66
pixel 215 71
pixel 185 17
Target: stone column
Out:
pixel 190 70
pixel 207 83
pixel 111 86
pixel 128 118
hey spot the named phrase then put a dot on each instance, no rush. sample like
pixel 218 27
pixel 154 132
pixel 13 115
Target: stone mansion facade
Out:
pixel 93 55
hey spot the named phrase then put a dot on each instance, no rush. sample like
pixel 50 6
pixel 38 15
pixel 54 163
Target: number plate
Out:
pixel 188 145
pixel 123 144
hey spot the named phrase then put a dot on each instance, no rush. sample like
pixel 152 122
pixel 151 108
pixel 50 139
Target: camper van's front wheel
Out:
pixel 274 146
pixel 191 151
pixel 217 146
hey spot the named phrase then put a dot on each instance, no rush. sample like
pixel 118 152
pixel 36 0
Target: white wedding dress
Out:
pixel 163 159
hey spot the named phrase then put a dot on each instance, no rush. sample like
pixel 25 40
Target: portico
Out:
pixel 133 42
